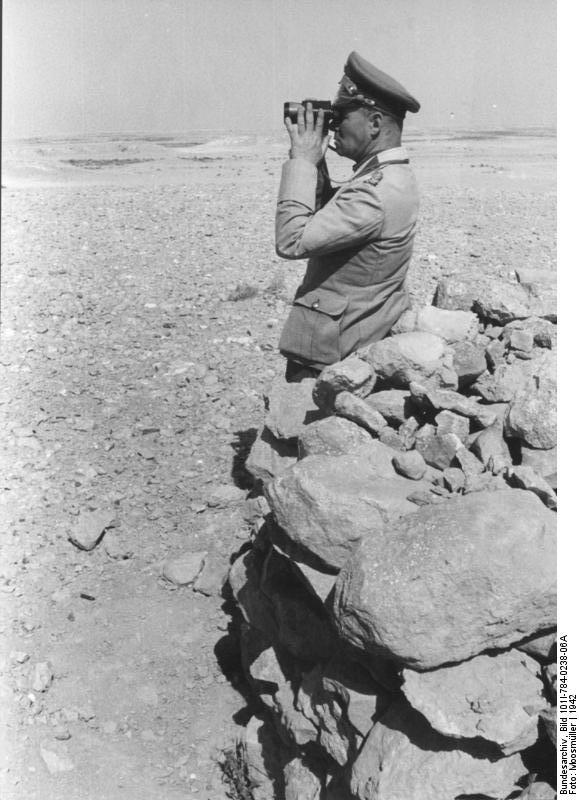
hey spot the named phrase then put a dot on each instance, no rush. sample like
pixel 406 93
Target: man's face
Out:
pixel 351 132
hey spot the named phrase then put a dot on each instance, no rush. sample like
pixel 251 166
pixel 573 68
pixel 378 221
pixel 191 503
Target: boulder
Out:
pixel 541 647
pixel 392 404
pixel 532 416
pixel 270 457
pixel 452 326
pixel 301 781
pixel 482 568
pixel 417 356
pixel 495 353
pixel 450 422
pixel 332 436
pixel 350 375
pixel 326 504
pixel 491 449
pixel 544 462
pixel 504 302
pixel 291 408
pixel 469 362
pixel 404 759
pixel 437 449
pixel 359 411
pixel 457 292
pixel 527 478
pixel 440 399
pixel 454 479
pixel 496 698
pixel 410 464
pixel 503 384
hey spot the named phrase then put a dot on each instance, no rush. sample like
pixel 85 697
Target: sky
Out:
pixel 169 66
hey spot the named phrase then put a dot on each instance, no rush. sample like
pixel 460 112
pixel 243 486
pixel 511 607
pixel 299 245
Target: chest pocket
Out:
pixel 312 331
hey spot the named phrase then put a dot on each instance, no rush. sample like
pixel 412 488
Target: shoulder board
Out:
pixel 375 178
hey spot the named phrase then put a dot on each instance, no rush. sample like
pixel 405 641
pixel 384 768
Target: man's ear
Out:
pixel 375 120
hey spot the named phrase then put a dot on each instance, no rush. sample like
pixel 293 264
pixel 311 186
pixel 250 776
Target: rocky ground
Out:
pixel 141 306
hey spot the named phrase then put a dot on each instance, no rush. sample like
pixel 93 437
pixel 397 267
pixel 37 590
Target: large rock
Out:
pixel 440 399
pixel 350 375
pixel 270 456
pixel 475 573
pixel 393 404
pixel 496 698
pixel 527 478
pixel 469 361
pixel 503 384
pixel 418 356
pixel 544 462
pixel 332 436
pixel 326 504
pixel 290 408
pixel 491 449
pixel 357 410
pixel 544 332
pixel 532 416
pixel 404 759
pixel 504 302
pixel 495 302
pixel 452 326
pixel 410 464
pixel 437 449
pixel 450 422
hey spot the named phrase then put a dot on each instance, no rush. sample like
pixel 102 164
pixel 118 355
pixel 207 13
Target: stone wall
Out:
pixel 399 594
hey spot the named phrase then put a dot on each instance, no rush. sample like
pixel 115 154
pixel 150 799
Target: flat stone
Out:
pixel 326 504
pixel 519 340
pixel 417 356
pixel 527 478
pixel 533 276
pixel 332 436
pixel 183 569
pixel 55 762
pixel 450 422
pixel 270 457
pixel 496 552
pixel 403 759
pixel 290 407
pixel 359 411
pixel 445 400
pixel 469 361
pixel 544 332
pixel 212 577
pixel 504 302
pixel 351 375
pixel 497 698
pixel 410 464
pixel 393 404
pixel 226 496
pixel 90 527
pixel 452 326
pixel 457 292
pixel 503 384
pixel 437 449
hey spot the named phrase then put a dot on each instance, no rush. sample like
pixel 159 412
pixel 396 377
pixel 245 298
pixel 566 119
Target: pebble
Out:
pixel 183 569
pixel 42 676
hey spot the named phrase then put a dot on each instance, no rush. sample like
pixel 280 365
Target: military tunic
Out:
pixel 359 246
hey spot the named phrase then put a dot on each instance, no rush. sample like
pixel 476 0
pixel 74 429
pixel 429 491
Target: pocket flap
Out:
pixel 324 301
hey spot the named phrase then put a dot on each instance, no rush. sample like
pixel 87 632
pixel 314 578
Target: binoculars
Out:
pixel 290 109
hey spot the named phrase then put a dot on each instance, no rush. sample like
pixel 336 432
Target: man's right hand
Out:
pixel 307 137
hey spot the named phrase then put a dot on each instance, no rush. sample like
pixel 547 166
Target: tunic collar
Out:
pixel 383 157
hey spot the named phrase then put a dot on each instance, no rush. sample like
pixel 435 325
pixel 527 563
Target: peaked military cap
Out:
pixel 366 84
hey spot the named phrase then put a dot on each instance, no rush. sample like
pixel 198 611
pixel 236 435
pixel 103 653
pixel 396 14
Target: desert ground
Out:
pixel 142 302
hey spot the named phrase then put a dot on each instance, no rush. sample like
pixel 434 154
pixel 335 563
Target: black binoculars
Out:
pixel 290 109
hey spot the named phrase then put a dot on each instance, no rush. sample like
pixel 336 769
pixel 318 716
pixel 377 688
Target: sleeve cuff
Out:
pixel 299 179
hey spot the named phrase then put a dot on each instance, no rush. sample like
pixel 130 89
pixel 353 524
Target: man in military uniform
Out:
pixel 358 238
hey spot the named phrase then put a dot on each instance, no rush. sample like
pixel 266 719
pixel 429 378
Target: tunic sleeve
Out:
pixel 353 216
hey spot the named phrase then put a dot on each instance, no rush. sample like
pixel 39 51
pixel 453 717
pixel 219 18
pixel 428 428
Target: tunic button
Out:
pixel 316 304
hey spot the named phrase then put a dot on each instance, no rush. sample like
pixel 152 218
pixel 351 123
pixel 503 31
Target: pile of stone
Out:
pixel 399 593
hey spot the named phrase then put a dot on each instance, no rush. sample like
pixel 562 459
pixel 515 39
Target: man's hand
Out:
pixel 307 138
